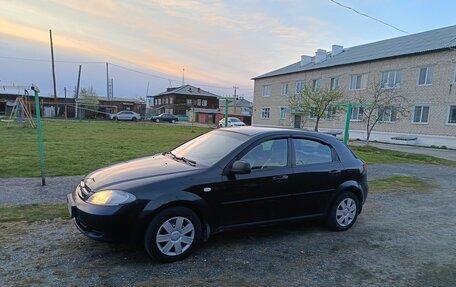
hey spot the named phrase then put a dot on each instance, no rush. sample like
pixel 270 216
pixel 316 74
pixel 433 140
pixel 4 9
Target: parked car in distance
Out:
pixel 164 118
pixel 232 122
pixel 125 116
pixel 174 200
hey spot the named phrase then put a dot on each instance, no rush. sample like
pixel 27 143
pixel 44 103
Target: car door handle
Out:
pixel 334 172
pixel 280 178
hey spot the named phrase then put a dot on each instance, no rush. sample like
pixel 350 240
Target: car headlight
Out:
pixel 111 197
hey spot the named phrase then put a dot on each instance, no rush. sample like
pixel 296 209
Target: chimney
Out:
pixel 305 60
pixel 320 56
pixel 336 50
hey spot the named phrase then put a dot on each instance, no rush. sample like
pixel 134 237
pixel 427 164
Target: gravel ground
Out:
pixel 402 238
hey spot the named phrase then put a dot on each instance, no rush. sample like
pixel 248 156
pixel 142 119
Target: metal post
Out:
pixel 226 112
pixel 347 123
pixel 40 136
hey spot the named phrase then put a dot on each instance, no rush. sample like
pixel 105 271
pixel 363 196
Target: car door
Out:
pixel 262 194
pixel 122 116
pixel 317 172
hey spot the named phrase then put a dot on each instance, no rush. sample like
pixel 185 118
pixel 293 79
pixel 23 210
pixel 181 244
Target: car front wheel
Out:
pixel 157 120
pixel 173 234
pixel 343 212
pixel 173 121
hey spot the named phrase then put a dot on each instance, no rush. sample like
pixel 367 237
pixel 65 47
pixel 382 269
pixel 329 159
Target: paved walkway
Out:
pixel 449 154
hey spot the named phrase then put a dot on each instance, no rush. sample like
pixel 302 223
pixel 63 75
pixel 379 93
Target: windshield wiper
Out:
pixel 186 160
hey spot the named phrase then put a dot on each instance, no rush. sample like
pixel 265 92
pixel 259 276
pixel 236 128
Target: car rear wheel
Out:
pixel 134 119
pixel 343 212
pixel 157 120
pixel 173 121
pixel 173 234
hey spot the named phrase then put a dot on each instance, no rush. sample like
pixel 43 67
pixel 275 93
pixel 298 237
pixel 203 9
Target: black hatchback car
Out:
pixel 226 179
pixel 164 118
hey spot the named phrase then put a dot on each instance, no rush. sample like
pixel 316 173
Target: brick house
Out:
pixel 185 101
pixel 421 67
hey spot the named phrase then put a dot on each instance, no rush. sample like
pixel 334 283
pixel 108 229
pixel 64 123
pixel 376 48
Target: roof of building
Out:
pixel 241 102
pixel 433 40
pixel 186 90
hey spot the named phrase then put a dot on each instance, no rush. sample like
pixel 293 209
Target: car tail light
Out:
pixel 364 167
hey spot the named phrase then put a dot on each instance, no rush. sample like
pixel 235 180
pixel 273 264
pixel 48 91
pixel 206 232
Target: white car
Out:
pixel 126 116
pixel 232 122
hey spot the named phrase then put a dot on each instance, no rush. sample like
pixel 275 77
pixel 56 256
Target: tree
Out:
pixel 88 99
pixel 381 105
pixel 315 102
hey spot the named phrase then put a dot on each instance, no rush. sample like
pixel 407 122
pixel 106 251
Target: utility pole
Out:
pixel 76 113
pixel 107 80
pixel 65 108
pixel 183 76
pixel 53 74
pixel 235 98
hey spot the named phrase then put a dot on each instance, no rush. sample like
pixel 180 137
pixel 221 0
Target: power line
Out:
pixel 370 17
pixel 387 24
pixel 119 66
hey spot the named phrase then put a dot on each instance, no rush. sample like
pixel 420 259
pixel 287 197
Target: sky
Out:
pixel 215 45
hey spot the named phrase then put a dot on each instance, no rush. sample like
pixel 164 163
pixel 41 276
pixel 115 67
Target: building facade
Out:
pixel 185 101
pixel 420 67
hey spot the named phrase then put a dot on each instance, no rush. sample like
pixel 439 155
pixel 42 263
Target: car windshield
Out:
pixel 209 148
pixel 234 120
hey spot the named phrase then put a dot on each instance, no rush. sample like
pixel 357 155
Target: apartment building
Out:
pixel 420 67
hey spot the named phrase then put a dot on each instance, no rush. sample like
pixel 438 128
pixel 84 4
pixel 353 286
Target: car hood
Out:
pixel 142 168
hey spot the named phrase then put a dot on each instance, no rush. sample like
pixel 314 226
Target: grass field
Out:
pixel 376 155
pixel 84 146
pixel 400 183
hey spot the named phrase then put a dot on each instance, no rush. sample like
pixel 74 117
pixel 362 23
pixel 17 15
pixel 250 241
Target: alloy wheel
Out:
pixel 346 212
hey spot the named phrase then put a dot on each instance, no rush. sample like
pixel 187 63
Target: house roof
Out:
pixel 433 40
pixel 238 103
pixel 186 90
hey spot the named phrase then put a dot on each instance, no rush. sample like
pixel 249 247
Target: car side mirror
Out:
pixel 241 167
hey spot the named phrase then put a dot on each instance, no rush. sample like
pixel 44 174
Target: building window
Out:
pixel 316 85
pixel 166 101
pixel 426 76
pixel 265 113
pixel 334 83
pixel 266 91
pixel 387 115
pixel 299 87
pixel 156 102
pixel 331 112
pixel 421 114
pixel 356 82
pixel 189 102
pixel 171 101
pixel 204 102
pixel 159 101
pixel 198 102
pixel 313 113
pixel 284 89
pixel 283 113
pixel 391 79
pixel 357 113
pixel 452 115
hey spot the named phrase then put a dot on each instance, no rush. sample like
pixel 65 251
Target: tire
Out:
pixel 134 119
pixel 114 118
pixel 173 121
pixel 172 246
pixel 343 212
pixel 157 120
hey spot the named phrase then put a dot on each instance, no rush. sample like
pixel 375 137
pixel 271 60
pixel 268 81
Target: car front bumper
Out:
pixel 103 223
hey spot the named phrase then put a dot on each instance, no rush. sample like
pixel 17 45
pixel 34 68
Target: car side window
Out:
pixel 268 154
pixel 309 152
